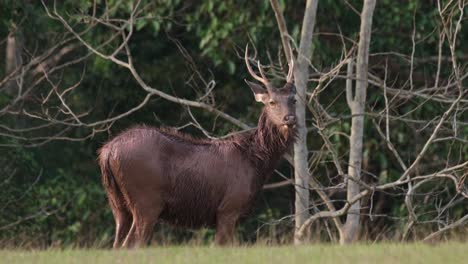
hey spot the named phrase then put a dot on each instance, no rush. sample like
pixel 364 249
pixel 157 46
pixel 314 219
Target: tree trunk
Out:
pixel 12 60
pixel 301 74
pixel 356 103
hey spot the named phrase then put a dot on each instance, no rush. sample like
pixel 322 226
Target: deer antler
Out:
pixel 290 77
pixel 262 79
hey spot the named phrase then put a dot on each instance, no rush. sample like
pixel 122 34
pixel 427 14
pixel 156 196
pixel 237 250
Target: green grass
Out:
pixel 377 253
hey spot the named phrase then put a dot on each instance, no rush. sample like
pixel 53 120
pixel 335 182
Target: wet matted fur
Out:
pixel 153 174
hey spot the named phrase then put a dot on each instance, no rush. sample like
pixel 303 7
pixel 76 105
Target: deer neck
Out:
pixel 267 145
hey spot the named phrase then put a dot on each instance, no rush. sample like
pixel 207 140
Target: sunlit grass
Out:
pixel 377 253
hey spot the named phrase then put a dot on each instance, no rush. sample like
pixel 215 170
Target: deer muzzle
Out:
pixel 290 120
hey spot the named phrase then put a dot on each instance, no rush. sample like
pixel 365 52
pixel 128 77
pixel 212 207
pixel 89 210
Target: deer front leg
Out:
pixel 225 227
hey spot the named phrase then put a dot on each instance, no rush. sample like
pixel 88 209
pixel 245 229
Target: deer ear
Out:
pixel 260 93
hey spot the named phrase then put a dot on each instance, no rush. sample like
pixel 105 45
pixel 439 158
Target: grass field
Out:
pixel 377 253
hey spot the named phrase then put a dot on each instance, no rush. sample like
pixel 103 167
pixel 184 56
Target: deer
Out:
pixel 160 174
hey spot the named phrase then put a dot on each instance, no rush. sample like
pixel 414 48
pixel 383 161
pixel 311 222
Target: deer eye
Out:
pixel 294 101
pixel 272 103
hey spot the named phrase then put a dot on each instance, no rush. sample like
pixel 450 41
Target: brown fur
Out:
pixel 157 173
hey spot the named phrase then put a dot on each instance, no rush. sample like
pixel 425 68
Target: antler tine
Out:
pixel 290 77
pixel 262 79
pixel 254 75
pixel 260 69
pixel 265 80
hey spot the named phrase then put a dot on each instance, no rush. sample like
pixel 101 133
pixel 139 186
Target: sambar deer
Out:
pixel 153 174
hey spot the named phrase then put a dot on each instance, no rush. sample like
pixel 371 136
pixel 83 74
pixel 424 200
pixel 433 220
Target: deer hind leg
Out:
pixel 144 218
pixel 123 221
pixel 122 217
pixel 225 227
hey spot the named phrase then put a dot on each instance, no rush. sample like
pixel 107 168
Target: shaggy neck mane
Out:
pixel 265 146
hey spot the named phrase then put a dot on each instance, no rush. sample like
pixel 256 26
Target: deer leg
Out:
pixel 140 233
pixel 123 222
pixel 129 241
pixel 122 217
pixel 142 227
pixel 225 227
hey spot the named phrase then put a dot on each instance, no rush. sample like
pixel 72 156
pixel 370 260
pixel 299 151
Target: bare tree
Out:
pixel 357 102
pixel 446 89
pixel 301 172
pixel 301 73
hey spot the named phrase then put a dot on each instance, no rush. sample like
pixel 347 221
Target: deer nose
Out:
pixel 290 119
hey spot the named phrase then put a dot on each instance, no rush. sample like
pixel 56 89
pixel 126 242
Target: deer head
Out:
pixel 279 102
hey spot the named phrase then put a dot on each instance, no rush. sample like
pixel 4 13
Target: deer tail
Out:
pixel 113 191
